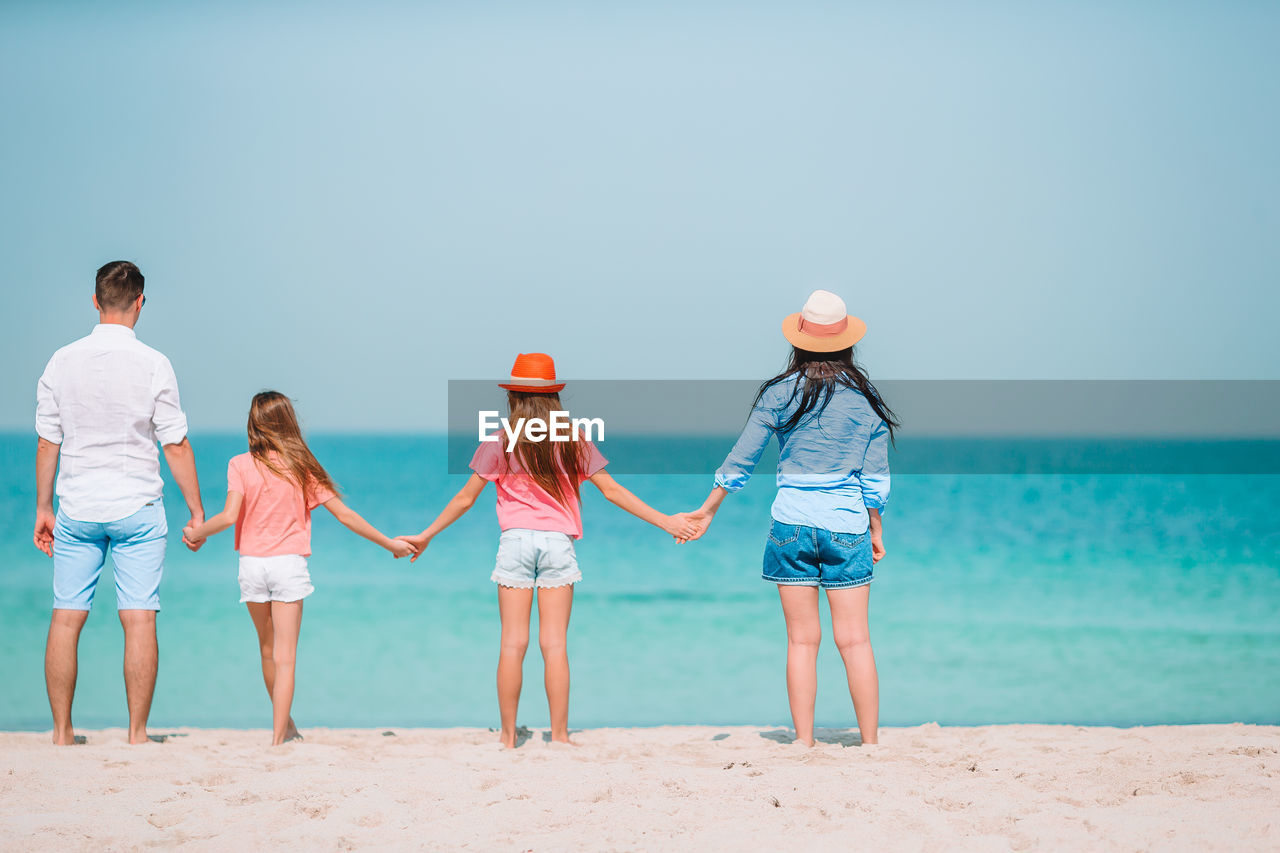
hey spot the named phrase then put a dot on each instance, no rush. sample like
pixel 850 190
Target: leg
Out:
pixel 60 669
pixel 141 660
pixel 554 604
pixel 286 622
pixel 79 552
pixel 853 639
pixel 260 613
pixel 804 632
pixel 514 605
pixel 137 549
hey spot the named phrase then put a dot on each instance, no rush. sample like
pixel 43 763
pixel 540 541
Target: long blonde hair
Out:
pixel 275 441
pixel 549 463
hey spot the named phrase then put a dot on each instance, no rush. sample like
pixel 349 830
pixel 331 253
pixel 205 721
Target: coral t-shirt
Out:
pixel 522 503
pixel 275 517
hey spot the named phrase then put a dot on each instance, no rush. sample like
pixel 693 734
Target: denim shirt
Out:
pixel 830 468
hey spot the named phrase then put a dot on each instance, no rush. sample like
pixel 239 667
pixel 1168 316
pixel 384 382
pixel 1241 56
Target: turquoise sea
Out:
pixel 1083 598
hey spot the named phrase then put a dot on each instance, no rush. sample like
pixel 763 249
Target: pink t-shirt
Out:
pixel 275 518
pixel 522 503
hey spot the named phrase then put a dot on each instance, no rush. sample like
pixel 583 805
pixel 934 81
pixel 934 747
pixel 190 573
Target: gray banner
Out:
pixel 948 426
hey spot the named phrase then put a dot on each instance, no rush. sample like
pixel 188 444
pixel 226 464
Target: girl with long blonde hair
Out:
pixel 271 491
pixel 540 513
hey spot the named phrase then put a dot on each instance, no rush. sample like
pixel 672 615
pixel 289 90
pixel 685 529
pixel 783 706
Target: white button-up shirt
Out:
pixel 107 399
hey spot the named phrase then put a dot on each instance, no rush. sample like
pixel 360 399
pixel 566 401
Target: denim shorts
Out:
pixel 811 556
pixel 136 545
pixel 283 577
pixel 541 558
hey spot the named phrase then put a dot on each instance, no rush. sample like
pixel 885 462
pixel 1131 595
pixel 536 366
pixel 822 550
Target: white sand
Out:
pixel 926 788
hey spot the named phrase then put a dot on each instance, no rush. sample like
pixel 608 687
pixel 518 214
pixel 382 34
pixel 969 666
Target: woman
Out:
pixel 833 434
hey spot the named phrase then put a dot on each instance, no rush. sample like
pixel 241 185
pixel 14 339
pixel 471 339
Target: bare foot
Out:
pixel 512 739
pixel 292 732
pixel 564 739
pixel 67 739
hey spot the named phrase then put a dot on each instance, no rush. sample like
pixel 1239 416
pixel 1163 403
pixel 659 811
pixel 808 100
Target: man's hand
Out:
pixel 193 544
pixel 43 537
pixel 46 471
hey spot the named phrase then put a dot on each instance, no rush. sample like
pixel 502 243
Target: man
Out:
pixel 102 404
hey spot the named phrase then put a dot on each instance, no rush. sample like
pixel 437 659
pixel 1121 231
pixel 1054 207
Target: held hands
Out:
pixel 401 547
pixel 701 520
pixel 189 538
pixel 701 517
pixel 690 525
pixel 681 527
pixel 415 545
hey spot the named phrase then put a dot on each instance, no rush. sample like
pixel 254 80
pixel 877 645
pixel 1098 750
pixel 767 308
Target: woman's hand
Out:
pixel 876 529
pixel 680 526
pixel 701 520
pixel 701 517
pixel 877 547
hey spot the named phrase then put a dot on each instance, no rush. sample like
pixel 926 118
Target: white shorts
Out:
pixel 535 558
pixel 280 578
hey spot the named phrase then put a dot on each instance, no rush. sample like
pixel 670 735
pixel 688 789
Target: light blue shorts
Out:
pixel 137 546
pixel 541 558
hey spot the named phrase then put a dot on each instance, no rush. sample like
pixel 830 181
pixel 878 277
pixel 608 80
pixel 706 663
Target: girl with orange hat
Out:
pixel 540 514
pixel 833 434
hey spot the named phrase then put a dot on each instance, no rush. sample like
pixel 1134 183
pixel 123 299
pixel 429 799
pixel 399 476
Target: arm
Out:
pixel 351 520
pixel 678 526
pixel 196 532
pixel 741 462
pixel 738 466
pixel 702 516
pixel 875 486
pixel 182 464
pixel 48 446
pixel 46 467
pixel 453 510
pixel 170 425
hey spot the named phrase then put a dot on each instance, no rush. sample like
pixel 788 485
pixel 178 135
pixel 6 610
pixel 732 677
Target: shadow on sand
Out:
pixel 546 736
pixel 841 737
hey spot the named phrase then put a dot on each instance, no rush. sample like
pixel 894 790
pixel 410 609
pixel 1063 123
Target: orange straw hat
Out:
pixel 823 325
pixel 533 373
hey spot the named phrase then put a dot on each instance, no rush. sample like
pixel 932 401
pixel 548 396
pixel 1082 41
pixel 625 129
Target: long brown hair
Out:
pixel 548 462
pixel 275 440
pixel 819 374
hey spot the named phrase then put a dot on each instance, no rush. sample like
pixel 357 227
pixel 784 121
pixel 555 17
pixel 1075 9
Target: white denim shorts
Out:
pixel 541 558
pixel 280 578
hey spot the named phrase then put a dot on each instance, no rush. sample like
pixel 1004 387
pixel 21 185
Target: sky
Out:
pixel 355 205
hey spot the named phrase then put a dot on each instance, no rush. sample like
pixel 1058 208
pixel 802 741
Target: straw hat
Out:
pixel 533 373
pixel 823 325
